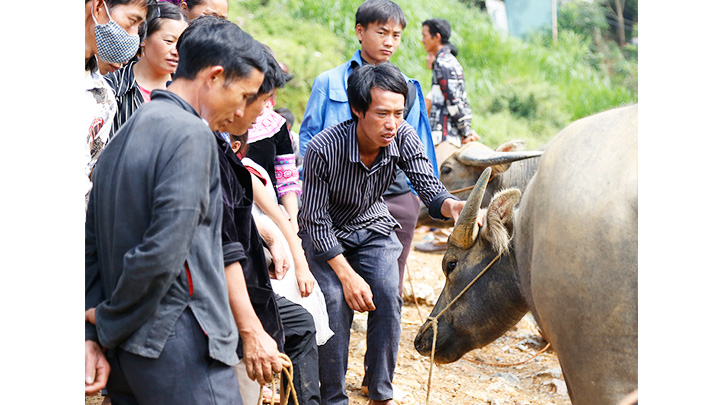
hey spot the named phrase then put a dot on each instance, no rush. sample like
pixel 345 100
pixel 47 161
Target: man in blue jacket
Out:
pixel 378 26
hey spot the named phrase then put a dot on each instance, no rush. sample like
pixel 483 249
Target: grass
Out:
pixel 517 89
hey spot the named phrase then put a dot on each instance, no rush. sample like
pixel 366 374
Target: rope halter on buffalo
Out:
pixel 434 321
pixel 468 215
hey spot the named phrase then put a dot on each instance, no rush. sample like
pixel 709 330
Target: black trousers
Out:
pixel 301 347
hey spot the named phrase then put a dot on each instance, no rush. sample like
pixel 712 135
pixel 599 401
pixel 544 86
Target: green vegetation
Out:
pixel 517 89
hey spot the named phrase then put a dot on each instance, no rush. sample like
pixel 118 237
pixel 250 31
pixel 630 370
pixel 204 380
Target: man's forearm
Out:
pixel 341 267
pixel 240 305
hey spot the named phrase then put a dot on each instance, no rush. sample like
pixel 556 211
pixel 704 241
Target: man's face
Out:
pixel 222 103
pixel 430 42
pixel 378 126
pixel 252 110
pixel 379 41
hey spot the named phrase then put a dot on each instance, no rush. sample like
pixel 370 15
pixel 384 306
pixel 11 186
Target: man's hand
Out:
pixel 90 316
pixel 358 294
pixel 452 208
pixel 470 138
pixel 97 368
pixel 261 356
pixel 281 262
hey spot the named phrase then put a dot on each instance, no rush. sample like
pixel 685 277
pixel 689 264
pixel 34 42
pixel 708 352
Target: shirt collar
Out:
pixel 385 154
pixel 168 96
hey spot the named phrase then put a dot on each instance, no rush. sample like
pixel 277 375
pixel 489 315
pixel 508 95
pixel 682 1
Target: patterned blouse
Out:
pixel 270 145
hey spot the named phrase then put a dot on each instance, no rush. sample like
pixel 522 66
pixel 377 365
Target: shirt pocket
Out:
pixel 338 95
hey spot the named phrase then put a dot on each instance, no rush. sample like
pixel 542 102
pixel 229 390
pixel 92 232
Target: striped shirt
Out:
pixel 127 93
pixel 341 195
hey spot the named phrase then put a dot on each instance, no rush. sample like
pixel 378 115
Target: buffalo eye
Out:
pixel 450 266
pixel 445 170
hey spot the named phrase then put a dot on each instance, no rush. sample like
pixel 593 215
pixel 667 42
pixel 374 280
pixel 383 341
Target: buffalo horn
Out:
pixel 466 228
pixel 495 158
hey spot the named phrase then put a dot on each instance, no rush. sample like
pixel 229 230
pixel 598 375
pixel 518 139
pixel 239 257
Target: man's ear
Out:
pixel 356 112
pixel 235 146
pixel 213 74
pixel 98 10
pixel 359 31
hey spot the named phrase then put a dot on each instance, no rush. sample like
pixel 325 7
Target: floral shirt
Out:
pixel 450 115
pixel 100 108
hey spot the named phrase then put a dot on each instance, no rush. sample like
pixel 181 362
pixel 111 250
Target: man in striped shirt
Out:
pixel 347 232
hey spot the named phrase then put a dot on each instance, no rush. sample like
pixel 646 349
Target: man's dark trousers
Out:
pixel 301 347
pixel 183 374
pixel 375 258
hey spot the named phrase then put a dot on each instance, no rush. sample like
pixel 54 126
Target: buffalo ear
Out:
pixel 498 226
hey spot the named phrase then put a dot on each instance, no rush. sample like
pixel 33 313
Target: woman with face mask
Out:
pixel 158 60
pixel 111 34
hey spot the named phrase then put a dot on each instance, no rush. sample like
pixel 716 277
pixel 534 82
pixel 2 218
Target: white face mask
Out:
pixel 114 44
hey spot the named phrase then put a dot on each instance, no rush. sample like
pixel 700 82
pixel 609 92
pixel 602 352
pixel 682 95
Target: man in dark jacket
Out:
pixel 155 285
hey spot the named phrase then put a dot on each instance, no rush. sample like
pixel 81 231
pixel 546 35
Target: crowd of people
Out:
pixel 212 261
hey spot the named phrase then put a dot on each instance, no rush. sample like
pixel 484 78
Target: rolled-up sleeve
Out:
pixel 416 165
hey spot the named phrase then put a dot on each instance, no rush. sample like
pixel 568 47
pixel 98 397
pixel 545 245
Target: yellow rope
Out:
pixel 434 322
pixel 284 398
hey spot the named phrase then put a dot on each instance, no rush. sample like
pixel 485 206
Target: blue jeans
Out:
pixel 375 258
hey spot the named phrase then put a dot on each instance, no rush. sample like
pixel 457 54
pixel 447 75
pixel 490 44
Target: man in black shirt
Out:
pixel 155 288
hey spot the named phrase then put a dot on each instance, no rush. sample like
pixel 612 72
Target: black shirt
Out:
pixel 242 242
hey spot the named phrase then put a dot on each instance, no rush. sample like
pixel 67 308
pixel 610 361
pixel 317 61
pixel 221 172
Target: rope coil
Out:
pixel 284 397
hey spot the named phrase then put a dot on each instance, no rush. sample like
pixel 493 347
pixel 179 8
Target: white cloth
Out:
pixel 249 389
pixel 288 286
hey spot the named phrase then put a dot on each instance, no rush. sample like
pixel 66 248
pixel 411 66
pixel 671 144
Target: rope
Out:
pixel 434 322
pixel 412 288
pixel 547 346
pixel 462 189
pixel 284 398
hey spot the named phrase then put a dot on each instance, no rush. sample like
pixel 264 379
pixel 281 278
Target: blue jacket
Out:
pixel 328 105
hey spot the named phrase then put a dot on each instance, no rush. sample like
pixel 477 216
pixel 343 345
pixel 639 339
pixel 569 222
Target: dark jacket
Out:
pixel 242 242
pixel 155 208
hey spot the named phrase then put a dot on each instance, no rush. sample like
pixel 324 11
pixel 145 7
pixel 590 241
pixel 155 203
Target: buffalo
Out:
pixel 511 167
pixel 567 253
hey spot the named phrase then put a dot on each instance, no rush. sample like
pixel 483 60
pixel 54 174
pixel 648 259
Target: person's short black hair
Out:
pixel 287 114
pixel 213 41
pixel 379 11
pixel 442 27
pixel 275 77
pixel 439 26
pixel 162 11
pixel 385 76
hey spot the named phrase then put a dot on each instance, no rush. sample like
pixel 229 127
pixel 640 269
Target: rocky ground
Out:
pixel 466 381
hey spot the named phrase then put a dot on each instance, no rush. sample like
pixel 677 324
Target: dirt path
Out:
pixel 537 382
